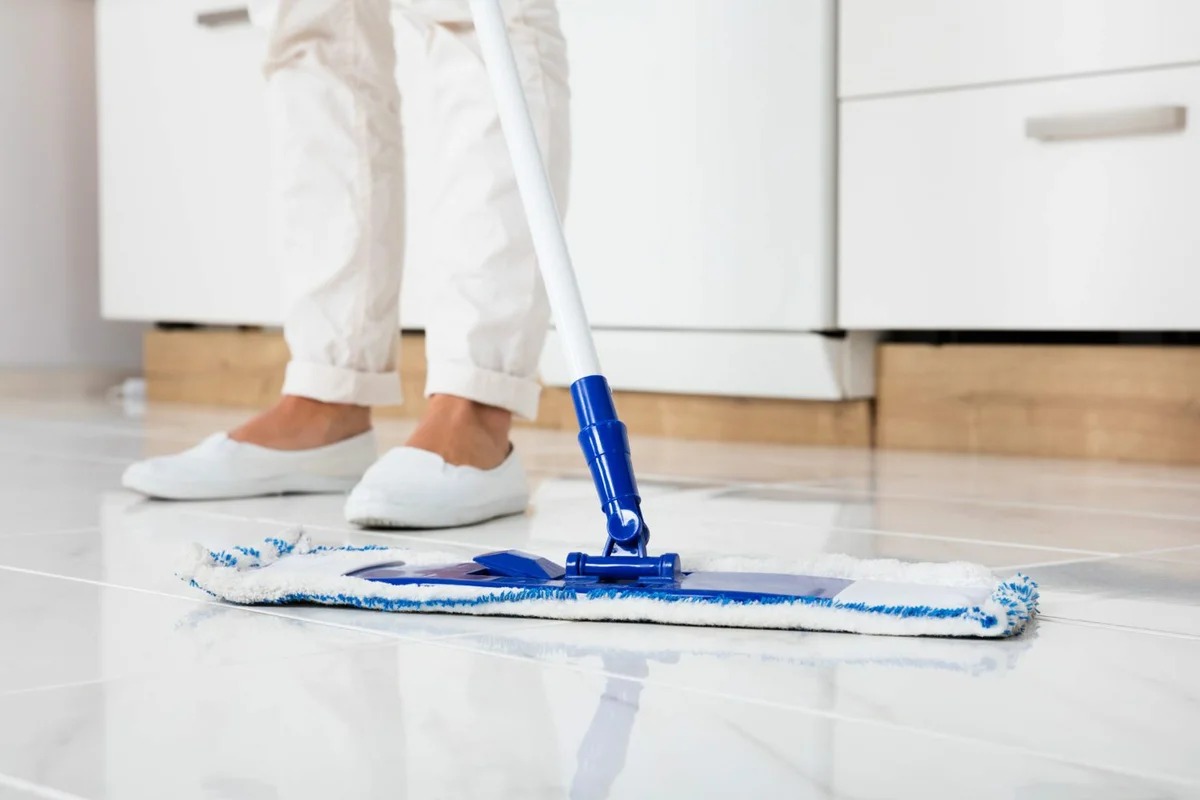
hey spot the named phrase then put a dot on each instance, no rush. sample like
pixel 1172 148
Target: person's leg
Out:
pixel 491 313
pixel 485 339
pixel 337 170
pixel 338 233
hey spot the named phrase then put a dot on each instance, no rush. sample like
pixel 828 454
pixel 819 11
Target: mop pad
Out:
pixel 824 593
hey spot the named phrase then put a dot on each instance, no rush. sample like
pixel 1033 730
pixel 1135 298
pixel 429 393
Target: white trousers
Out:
pixel 338 184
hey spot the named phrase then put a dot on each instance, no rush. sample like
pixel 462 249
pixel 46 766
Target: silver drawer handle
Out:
pixel 222 18
pixel 1105 124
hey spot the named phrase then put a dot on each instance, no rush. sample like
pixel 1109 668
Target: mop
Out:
pixel 623 582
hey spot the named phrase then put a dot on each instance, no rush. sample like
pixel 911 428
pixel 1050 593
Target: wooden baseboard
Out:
pixel 726 419
pixel 1108 402
pixel 215 367
pixel 245 368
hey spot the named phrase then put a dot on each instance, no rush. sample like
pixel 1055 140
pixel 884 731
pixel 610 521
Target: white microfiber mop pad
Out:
pixel 886 596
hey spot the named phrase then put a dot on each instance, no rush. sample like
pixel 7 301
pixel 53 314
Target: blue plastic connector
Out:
pixel 605 445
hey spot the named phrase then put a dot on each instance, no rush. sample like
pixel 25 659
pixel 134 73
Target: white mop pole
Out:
pixel 602 436
pixel 537 195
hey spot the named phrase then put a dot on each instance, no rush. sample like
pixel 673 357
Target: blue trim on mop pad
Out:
pixel 874 596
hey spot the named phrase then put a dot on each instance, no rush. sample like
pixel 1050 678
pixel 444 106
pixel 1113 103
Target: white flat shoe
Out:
pixel 220 468
pixel 412 488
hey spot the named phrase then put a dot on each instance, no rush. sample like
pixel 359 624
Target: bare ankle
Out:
pixel 497 422
pixel 301 423
pixel 463 431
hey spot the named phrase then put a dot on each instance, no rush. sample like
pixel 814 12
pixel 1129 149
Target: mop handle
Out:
pixel 537 195
pixel 602 436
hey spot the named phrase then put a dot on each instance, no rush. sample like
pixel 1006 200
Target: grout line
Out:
pixel 171 670
pixel 538 625
pixel 1113 480
pixel 292 524
pixel 1143 554
pixel 391 637
pixel 828 485
pixel 136 430
pixel 51 532
pixel 53 687
pixel 925 536
pixel 261 610
pixel 55 455
pixel 270 611
pixel 425 540
pixel 979 501
pixel 1162 551
pixel 36 789
pixel 1061 563
pixel 1083 623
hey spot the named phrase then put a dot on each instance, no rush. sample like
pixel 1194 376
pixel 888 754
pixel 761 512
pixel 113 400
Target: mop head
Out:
pixel 879 596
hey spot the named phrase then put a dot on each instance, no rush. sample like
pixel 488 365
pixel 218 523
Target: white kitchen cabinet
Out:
pixel 1061 203
pixel 702 185
pixel 890 46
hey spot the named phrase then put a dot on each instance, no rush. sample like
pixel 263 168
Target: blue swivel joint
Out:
pixel 606 447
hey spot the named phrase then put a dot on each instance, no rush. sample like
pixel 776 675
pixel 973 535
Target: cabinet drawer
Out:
pixel 955 216
pixel 889 46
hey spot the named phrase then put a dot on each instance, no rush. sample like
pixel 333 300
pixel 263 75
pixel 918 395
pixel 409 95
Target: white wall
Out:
pixel 49 265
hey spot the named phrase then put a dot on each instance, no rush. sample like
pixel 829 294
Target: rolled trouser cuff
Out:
pixel 340 385
pixel 518 395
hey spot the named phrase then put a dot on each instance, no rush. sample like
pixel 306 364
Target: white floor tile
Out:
pixel 117 680
pixel 433 722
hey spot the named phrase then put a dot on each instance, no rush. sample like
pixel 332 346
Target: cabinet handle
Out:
pixel 222 18
pixel 1106 124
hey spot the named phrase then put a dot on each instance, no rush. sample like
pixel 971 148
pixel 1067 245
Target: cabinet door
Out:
pixel 702 185
pixel 1051 205
pixel 183 170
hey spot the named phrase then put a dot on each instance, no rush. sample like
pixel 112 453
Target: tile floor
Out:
pixel 118 681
